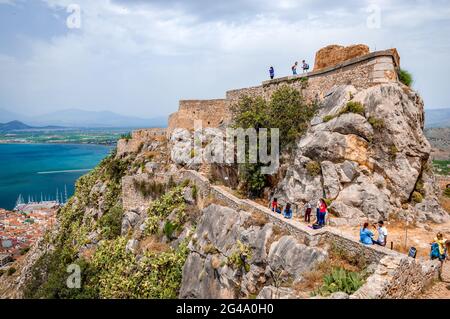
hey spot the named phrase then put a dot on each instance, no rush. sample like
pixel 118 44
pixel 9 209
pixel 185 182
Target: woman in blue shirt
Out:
pixel 288 211
pixel 365 235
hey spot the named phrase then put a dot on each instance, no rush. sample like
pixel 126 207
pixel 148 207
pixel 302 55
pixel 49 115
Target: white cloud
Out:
pixel 142 58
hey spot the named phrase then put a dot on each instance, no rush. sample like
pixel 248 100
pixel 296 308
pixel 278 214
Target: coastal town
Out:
pixel 21 227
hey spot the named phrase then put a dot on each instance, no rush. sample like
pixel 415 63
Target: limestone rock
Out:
pixel 293 258
pixel 369 170
pixel 335 54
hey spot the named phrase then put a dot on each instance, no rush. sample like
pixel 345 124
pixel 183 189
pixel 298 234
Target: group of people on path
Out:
pixel 438 245
pixel 278 208
pixel 305 67
pixel 321 211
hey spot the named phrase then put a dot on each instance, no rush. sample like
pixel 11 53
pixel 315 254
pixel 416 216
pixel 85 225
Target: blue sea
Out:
pixel 35 169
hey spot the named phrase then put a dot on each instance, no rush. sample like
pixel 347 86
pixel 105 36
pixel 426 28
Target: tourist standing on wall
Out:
pixel 305 66
pixel 322 212
pixel 294 68
pixel 271 72
pixel 308 213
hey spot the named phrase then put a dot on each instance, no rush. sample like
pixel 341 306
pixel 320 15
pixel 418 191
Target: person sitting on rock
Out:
pixel 382 234
pixel 274 205
pixel 287 211
pixel 365 235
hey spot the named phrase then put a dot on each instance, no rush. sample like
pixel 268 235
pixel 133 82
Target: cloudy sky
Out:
pixel 140 57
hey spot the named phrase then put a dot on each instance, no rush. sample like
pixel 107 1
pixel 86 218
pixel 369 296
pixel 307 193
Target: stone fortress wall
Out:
pixel 396 275
pixel 334 65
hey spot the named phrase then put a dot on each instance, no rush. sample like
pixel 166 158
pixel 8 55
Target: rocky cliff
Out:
pixel 374 158
pixel 138 228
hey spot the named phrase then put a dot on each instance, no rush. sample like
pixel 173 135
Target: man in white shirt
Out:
pixel 382 234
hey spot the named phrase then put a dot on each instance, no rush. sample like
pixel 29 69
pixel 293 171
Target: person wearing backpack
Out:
pixel 439 250
pixel 305 66
pixel 294 68
pixel 271 72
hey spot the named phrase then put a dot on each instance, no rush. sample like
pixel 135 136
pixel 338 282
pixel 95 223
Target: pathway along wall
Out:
pixel 396 275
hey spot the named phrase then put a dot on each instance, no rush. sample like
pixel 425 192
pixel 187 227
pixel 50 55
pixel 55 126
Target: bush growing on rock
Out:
pixel 340 280
pixel 417 197
pixel 327 118
pixel 354 107
pixel 405 77
pixel 376 123
pixel 286 110
pixel 313 168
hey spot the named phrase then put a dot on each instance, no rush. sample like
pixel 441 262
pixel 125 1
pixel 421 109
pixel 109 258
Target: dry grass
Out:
pixel 151 243
pixel 213 200
pixel 256 219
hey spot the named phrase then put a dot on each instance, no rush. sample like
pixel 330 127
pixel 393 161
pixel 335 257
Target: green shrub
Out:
pixel 393 150
pixel 149 189
pixel 286 110
pixel 340 280
pixel 11 271
pixel 420 187
pixel 24 250
pixel 328 118
pixel 328 201
pixel 376 123
pixel 126 137
pixel 405 77
pixel 417 197
pixel 240 256
pixel 169 228
pixel 313 168
pixel 111 222
pixel 194 191
pixel 353 107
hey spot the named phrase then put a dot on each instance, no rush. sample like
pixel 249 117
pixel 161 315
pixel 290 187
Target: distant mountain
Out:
pixel 437 118
pixel 84 119
pixel 13 126
pixel 19 126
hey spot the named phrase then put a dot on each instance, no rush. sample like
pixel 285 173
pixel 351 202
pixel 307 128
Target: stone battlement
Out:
pixel 362 72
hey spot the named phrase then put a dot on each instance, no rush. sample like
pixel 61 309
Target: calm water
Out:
pixel 32 169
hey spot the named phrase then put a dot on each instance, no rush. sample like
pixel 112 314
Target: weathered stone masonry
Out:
pixel 396 275
pixel 362 72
